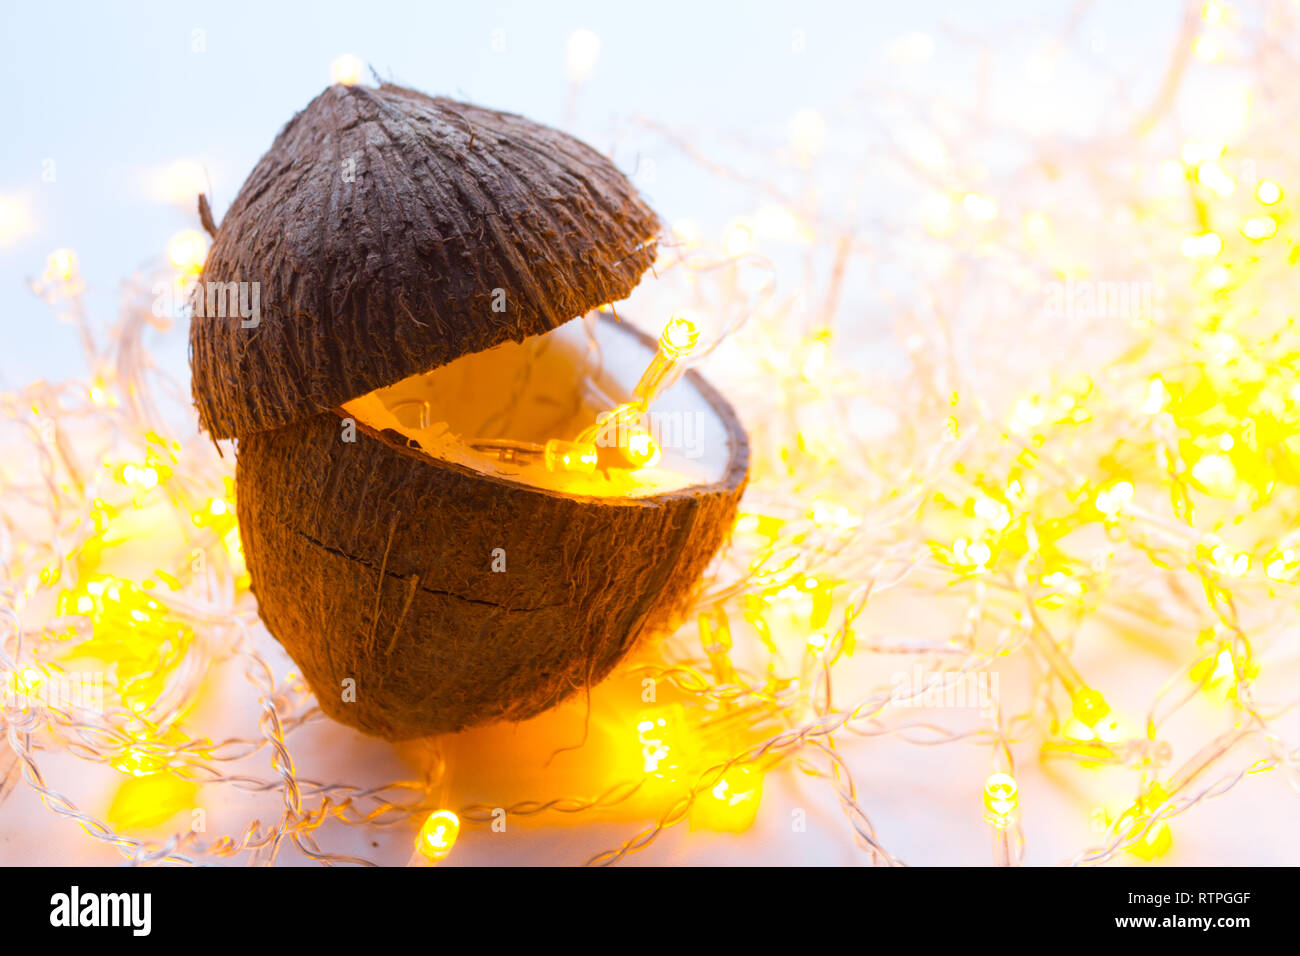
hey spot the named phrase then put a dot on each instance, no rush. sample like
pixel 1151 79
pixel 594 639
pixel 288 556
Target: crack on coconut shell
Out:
pixel 387 575
pixel 364 283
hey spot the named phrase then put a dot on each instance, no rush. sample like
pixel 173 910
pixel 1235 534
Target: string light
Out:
pixel 641 448
pixel 623 423
pixel 1268 192
pixel 1001 800
pixel 1206 48
pixel 1038 508
pixel 187 250
pixel 1259 227
pixel 438 835
pixel 61 265
pixel 1202 245
pixel 347 69
pixel 577 457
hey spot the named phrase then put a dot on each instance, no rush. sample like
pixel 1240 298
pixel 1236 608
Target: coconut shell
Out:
pixel 382 226
pixel 372 561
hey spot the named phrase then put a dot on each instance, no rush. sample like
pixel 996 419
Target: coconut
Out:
pixel 417 263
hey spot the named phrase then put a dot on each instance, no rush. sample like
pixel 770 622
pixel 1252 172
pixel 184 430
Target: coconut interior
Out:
pixel 553 386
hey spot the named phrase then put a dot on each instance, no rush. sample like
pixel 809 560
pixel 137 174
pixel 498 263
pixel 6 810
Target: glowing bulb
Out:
pixel 1259 227
pixel 1201 245
pixel 994 512
pixel 660 737
pixel 23 684
pixel 641 449
pixel 187 250
pixel 570 456
pixel 1155 843
pixel 177 182
pixel 1112 500
pixel 732 804
pixel 1268 192
pixel 738 239
pixel 687 232
pixel 807 133
pixel 1212 12
pixel 837 516
pixel 1206 48
pixel 675 342
pixel 1089 706
pixel 1211 176
pixel 138 762
pixel 61 265
pixel 679 336
pixel 1038 229
pixel 143 477
pixel 149 801
pixel 438 835
pixel 347 69
pixel 1157 839
pixel 776 222
pixel 581 54
pixel 1229 562
pixel 1284 566
pixel 1001 799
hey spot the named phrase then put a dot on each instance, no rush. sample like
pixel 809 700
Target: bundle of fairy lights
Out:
pixel 1088 423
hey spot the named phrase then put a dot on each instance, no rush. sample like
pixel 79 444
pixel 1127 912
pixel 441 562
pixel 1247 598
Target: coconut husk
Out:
pixel 382 226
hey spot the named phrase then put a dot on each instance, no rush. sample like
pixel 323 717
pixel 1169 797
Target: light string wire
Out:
pixel 1132 472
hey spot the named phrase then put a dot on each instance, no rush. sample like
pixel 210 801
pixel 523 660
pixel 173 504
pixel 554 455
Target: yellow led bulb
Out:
pixel 1001 799
pixel 61 265
pixel 1088 706
pixel 679 337
pixel 438 835
pixel 570 456
pixel 731 805
pixel 1268 192
pixel 675 343
pixel 640 448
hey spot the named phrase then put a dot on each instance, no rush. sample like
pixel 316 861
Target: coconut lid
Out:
pixel 386 233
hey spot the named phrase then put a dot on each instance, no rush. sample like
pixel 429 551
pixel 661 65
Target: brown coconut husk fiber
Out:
pixel 371 560
pixel 367 281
